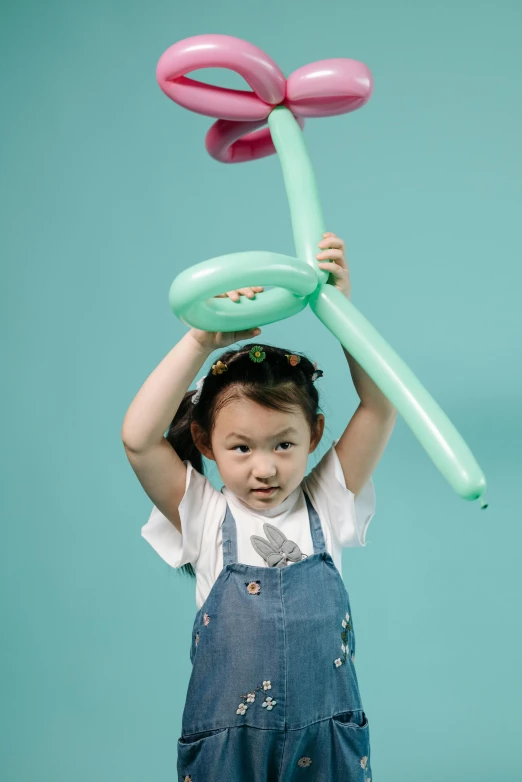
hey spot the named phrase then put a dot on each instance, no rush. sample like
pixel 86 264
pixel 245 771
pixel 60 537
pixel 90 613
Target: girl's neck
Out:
pixel 283 507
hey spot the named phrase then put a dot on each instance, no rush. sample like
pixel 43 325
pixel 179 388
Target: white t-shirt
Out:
pixel 344 520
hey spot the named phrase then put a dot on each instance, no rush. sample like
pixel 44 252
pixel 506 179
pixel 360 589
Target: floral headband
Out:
pixel 257 355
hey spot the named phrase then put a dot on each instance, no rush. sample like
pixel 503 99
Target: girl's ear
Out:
pixel 201 440
pixel 317 433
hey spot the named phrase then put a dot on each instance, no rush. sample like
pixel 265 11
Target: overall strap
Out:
pixel 229 538
pixel 316 529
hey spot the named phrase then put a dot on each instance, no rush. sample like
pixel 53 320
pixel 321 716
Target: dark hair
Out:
pixel 278 382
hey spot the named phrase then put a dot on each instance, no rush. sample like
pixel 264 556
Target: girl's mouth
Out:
pixel 266 491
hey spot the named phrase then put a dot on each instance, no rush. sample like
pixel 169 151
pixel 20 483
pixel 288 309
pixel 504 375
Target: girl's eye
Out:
pixel 286 449
pixel 246 446
pixel 241 448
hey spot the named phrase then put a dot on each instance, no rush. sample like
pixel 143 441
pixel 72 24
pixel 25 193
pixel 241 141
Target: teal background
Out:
pixel 107 194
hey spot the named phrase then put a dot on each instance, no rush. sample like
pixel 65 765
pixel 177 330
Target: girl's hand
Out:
pixel 336 262
pixel 212 340
pixel 248 292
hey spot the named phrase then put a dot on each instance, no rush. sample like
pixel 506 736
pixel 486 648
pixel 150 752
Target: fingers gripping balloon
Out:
pixel 320 89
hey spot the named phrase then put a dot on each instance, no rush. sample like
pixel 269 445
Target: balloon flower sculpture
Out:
pixel 320 89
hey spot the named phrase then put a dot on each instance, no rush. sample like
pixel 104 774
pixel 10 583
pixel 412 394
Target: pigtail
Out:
pixel 180 436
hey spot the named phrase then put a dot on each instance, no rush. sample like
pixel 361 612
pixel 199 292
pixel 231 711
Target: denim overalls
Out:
pixel 273 695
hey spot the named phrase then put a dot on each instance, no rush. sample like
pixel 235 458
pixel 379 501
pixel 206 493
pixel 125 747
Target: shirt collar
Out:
pixel 279 510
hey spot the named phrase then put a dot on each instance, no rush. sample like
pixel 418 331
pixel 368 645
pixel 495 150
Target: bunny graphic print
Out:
pixel 277 550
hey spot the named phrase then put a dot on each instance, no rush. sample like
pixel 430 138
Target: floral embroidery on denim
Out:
pixel 304 762
pixel 251 696
pixel 187 779
pixel 364 762
pixel 206 620
pixel 344 646
pixel 253 587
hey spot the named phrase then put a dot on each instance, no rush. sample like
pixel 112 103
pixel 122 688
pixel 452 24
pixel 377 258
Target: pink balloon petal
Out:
pixel 221 51
pixel 240 142
pixel 328 87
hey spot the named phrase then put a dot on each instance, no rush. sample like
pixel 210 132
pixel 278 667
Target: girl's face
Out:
pixel 261 453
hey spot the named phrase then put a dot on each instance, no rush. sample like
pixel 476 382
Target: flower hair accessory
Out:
pixel 219 368
pixel 293 359
pixel 256 354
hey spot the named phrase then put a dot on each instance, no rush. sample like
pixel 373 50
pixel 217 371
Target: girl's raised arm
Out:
pixel 156 464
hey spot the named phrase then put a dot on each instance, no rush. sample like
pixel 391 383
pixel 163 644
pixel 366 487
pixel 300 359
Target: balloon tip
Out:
pixel 483 504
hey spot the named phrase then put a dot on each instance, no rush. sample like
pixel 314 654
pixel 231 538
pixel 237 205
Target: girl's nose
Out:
pixel 264 473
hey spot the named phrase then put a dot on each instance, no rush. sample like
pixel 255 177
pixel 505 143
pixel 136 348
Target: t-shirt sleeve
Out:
pixel 347 516
pixel 201 506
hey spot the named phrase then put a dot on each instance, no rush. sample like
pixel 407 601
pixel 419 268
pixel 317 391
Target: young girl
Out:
pixel 273 693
